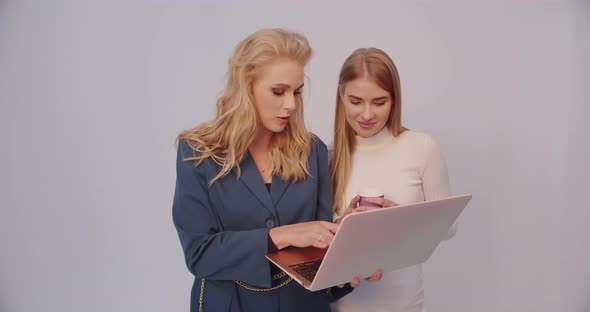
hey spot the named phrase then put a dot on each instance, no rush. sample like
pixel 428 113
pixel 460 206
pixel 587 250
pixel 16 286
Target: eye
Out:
pixel 278 92
pixel 380 103
pixel 298 93
pixel 355 102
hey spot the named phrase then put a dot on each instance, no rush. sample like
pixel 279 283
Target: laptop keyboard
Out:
pixel 307 269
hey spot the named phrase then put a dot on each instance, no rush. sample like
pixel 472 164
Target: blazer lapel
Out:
pixel 251 177
pixel 277 189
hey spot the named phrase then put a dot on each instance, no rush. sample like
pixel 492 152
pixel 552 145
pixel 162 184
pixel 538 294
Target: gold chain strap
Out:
pixel 275 277
pixel 248 287
pixel 202 295
pixel 278 275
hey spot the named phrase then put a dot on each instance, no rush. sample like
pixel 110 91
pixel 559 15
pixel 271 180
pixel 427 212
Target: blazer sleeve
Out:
pixel 435 178
pixel 324 205
pixel 209 252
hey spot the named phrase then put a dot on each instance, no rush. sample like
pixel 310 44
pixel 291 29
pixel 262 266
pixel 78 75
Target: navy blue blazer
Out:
pixel 223 230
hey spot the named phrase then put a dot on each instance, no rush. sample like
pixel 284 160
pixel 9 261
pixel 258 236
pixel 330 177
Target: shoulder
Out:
pixel 186 159
pixel 187 152
pixel 185 149
pixel 317 145
pixel 419 141
pixel 319 152
pixel 414 136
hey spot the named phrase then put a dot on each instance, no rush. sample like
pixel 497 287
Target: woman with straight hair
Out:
pixel 373 150
pixel 254 180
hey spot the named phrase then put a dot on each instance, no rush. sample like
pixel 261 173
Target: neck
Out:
pixel 259 150
pixel 381 137
pixel 262 140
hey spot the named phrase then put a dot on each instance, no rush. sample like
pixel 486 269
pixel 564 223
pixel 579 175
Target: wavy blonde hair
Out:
pixel 226 138
pixel 375 65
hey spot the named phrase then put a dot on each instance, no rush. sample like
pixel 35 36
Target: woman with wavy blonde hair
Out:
pixel 372 150
pixel 253 180
pixel 226 138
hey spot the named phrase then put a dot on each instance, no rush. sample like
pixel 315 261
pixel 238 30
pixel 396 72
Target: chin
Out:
pixel 365 133
pixel 274 127
pixel 278 129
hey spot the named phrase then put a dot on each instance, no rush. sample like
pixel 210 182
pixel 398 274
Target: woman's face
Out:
pixel 366 106
pixel 277 92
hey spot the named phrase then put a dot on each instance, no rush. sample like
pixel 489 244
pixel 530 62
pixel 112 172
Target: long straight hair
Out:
pixel 375 65
pixel 226 138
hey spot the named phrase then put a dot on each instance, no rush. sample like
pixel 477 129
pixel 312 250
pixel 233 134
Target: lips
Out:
pixel 366 125
pixel 284 119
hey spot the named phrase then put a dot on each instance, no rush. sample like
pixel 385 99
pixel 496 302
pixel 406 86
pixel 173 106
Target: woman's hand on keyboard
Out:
pixel 318 234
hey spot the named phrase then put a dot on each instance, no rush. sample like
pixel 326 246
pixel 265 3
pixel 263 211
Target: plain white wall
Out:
pixel 92 95
pixel 575 247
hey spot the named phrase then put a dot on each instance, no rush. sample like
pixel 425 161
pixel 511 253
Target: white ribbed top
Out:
pixel 407 169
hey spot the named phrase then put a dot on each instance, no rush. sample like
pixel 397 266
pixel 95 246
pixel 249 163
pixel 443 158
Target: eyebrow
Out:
pixel 381 98
pixel 375 99
pixel 286 86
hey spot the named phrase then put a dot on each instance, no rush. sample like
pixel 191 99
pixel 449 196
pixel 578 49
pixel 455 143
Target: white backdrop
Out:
pixel 93 93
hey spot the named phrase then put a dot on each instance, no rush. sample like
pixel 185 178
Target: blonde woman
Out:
pixel 253 180
pixel 373 150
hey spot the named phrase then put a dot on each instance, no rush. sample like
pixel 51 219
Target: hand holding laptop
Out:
pixel 356 282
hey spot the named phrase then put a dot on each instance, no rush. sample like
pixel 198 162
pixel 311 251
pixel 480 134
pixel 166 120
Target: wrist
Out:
pixel 279 237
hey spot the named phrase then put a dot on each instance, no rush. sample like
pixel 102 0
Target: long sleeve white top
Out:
pixel 409 168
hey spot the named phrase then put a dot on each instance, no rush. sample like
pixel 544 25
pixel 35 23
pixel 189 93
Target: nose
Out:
pixel 367 113
pixel 290 103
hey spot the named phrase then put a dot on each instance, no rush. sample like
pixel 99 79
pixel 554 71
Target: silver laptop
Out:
pixel 384 238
